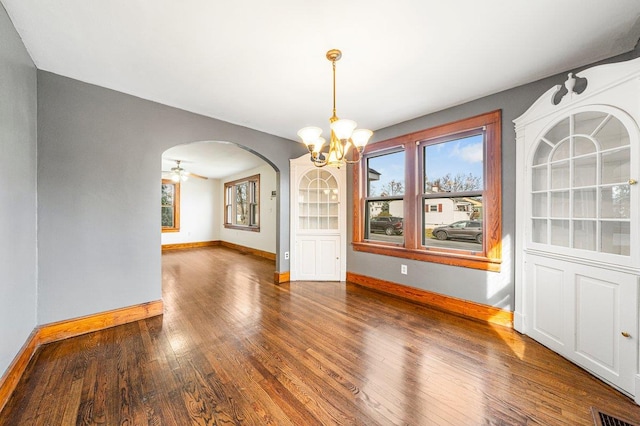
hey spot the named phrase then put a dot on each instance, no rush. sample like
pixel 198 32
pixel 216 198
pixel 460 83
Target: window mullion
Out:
pixel 411 197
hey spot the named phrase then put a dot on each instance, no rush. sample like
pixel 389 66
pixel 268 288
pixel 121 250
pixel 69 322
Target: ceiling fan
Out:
pixel 178 174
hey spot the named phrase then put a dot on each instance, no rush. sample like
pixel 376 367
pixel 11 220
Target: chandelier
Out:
pixel 344 135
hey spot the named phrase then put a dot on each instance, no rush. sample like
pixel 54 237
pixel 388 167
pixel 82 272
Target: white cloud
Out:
pixel 470 153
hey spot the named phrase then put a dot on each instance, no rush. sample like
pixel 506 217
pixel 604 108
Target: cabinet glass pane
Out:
pixel 582 146
pixel 539 231
pixel 539 205
pixel 560 175
pixel 585 171
pixel 585 123
pixel 318 201
pixel 542 153
pixel 560 233
pixel 580 196
pixel 560 204
pixel 615 166
pixel 614 237
pixel 584 234
pixel 612 135
pixel 615 202
pixel 562 151
pixel 584 203
pixel 558 132
pixel 539 178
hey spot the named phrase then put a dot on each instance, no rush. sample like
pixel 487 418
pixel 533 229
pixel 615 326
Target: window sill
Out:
pixel 447 258
pixel 170 230
pixel 243 228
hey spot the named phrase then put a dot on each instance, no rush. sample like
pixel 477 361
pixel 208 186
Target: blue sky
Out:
pixel 458 156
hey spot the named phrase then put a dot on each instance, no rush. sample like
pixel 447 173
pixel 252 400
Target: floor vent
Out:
pixel 603 419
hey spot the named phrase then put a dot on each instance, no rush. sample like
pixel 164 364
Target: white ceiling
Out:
pixel 211 159
pixel 261 64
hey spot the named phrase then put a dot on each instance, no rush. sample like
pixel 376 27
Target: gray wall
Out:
pixel 491 288
pixel 17 193
pixel 99 162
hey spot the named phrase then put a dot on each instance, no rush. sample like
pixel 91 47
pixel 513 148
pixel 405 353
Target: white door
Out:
pixel 318 214
pixel 318 258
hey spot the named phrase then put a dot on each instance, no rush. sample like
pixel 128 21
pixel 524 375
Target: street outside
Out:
pixel 431 242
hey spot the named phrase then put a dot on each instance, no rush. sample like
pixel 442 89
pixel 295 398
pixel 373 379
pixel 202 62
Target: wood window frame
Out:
pixel 176 206
pixel 254 204
pixel 490 258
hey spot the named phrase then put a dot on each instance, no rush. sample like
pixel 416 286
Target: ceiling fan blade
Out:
pixel 196 176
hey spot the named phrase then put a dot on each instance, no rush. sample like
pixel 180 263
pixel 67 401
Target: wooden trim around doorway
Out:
pixel 282 277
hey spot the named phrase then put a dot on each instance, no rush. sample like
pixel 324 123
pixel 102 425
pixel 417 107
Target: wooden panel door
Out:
pixel 587 314
pixel 319 258
pixel 605 325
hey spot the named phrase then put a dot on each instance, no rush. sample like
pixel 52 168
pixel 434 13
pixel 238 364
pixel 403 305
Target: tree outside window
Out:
pixel 170 206
pixel 242 201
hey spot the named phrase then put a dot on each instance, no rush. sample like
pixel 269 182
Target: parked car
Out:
pixel 390 225
pixel 464 229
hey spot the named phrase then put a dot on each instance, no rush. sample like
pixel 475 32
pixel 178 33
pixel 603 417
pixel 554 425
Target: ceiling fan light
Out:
pixel 175 178
pixel 360 137
pixel 343 128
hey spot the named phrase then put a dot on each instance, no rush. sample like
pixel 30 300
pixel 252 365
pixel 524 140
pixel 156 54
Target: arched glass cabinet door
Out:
pixel 581 184
pixel 318 201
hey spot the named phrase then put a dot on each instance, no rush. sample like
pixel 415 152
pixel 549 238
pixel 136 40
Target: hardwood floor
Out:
pixel 233 348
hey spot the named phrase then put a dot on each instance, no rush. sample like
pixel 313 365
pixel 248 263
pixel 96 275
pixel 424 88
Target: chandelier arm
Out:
pixel 359 156
pixel 320 163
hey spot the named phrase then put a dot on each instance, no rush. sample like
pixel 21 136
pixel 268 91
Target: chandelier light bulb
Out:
pixel 310 135
pixel 343 128
pixel 318 145
pixel 360 137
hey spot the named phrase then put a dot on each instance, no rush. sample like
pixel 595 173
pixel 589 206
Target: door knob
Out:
pixel 625 334
pixel 632 181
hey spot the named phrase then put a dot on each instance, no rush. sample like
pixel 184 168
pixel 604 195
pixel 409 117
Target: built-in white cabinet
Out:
pixel 577 222
pixel 318 222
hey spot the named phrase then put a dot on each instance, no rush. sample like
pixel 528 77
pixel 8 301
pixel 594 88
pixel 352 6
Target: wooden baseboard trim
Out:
pixel 243 249
pixel 182 246
pixel 61 330
pixel 16 369
pixel 249 250
pixel 281 277
pixel 449 304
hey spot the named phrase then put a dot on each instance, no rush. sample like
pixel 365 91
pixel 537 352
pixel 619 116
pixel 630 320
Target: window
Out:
pixel 385 196
pixel 443 187
pixel 170 201
pixel 242 204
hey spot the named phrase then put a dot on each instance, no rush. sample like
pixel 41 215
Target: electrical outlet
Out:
pixel 403 269
pixel 286 255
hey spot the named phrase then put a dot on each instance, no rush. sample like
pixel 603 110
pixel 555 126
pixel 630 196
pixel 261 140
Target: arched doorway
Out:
pixel 208 190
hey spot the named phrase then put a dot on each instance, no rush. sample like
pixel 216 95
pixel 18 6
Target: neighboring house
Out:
pixel 443 211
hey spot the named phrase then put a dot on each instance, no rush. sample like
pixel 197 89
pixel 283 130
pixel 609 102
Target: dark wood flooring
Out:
pixel 233 348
